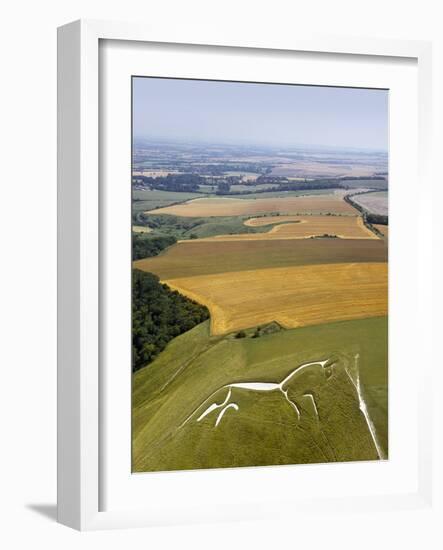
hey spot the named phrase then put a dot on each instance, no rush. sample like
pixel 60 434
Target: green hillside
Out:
pixel 187 414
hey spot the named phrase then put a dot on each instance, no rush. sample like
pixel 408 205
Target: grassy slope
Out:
pixel 183 227
pixel 209 227
pixel 194 365
pixel 203 258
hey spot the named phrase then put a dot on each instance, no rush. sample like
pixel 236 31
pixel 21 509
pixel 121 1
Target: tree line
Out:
pixel 172 182
pixel 192 183
pixel 145 246
pixel 368 218
pixel 283 185
pixel 159 314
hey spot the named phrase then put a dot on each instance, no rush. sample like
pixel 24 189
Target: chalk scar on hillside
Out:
pixel 363 408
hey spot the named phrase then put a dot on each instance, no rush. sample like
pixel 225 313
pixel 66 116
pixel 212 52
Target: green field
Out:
pixel 143 200
pixel 170 395
pixel 185 227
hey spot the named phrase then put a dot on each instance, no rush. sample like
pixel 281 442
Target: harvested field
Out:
pixel 371 183
pixel 345 227
pixel 207 207
pixel 292 296
pixel 314 169
pixel 376 203
pixel 200 257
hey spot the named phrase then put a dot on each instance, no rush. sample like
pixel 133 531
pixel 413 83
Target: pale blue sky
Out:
pixel 259 114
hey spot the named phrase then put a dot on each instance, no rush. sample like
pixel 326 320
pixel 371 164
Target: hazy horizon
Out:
pixel 159 140
pixel 261 115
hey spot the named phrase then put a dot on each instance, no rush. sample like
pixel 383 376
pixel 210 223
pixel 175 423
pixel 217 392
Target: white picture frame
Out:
pixel 80 444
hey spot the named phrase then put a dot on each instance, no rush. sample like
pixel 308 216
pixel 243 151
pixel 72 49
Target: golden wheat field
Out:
pixel 292 296
pixel 344 227
pixel 208 207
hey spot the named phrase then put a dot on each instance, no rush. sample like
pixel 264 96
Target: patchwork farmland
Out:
pixel 302 227
pixel 201 257
pixel 291 366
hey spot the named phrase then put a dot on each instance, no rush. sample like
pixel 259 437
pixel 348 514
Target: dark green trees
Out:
pixel 145 246
pixel 158 315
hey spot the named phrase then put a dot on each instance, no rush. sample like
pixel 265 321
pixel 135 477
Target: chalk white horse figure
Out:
pixel 282 386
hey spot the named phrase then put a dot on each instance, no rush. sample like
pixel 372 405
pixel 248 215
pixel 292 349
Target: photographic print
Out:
pixel 259 274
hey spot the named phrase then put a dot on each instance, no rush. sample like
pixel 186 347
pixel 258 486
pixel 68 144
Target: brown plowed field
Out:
pixel 191 258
